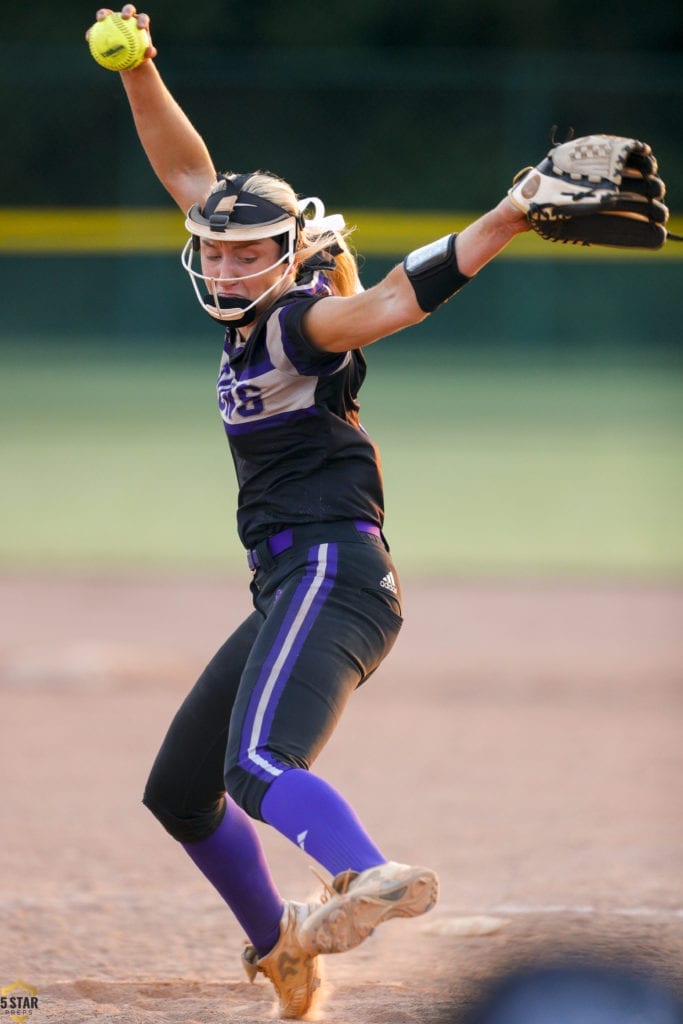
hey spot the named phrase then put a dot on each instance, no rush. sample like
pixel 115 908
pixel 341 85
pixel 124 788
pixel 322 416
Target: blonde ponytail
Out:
pixel 343 277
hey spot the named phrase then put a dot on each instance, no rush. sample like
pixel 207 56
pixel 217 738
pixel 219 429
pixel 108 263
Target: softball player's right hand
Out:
pixel 143 20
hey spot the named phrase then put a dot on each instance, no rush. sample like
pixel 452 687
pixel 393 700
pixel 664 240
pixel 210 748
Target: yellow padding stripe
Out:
pixel 385 233
pixel 391 234
pixel 103 231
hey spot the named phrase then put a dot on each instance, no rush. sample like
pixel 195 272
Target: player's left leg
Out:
pixel 327 625
pixel 330 620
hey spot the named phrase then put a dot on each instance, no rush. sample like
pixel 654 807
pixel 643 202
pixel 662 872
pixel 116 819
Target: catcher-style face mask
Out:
pixel 232 215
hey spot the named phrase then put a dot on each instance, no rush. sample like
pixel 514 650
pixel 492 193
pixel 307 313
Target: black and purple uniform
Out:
pixel 326 595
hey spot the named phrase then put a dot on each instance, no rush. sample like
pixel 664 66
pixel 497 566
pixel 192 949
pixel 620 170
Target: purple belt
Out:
pixel 284 540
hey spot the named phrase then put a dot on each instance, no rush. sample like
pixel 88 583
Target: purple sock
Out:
pixel 232 859
pixel 307 810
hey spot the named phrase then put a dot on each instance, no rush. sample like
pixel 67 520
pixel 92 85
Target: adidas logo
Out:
pixel 389 583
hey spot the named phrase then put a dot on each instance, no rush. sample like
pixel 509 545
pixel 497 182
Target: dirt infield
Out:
pixel 522 739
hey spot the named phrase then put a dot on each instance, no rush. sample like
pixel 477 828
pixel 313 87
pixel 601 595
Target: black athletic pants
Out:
pixel 326 612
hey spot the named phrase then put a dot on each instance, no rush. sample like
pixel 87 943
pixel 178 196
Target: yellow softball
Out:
pixel 117 43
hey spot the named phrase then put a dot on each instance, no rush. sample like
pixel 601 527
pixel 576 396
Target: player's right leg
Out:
pixel 186 792
pixel 185 789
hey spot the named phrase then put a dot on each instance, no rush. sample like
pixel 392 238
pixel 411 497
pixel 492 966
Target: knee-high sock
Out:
pixel 310 812
pixel 233 860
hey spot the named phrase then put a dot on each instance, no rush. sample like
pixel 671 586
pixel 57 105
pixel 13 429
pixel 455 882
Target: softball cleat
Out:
pixel 356 903
pixel 295 974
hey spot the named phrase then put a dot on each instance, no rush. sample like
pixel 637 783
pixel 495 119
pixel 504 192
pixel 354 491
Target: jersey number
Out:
pixel 249 398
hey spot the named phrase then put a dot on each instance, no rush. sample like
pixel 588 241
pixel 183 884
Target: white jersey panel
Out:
pixel 270 388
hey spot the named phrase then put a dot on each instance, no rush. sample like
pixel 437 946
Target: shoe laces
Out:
pixel 328 892
pixel 340 884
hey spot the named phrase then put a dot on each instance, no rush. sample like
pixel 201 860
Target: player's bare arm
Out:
pixel 339 324
pixel 487 236
pixel 174 147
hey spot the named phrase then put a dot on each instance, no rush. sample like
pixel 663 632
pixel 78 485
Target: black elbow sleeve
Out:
pixel 433 272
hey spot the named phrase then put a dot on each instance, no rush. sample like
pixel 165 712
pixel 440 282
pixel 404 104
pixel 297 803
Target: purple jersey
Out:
pixel 291 417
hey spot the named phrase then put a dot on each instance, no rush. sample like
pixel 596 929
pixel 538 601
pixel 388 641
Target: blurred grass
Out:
pixel 114 459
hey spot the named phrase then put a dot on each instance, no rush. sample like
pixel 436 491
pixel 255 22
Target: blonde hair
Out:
pixel 344 279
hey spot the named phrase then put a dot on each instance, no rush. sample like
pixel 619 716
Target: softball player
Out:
pixel 326 594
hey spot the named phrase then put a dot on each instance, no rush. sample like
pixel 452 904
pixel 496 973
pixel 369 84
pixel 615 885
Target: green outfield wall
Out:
pixel 116 273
